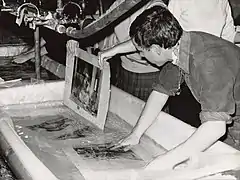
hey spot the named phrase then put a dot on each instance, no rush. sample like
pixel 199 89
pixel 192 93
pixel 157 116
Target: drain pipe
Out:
pixel 24 164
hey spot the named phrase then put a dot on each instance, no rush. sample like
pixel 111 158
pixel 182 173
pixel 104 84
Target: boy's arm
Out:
pixel 152 108
pixel 214 85
pixel 125 47
pixel 166 85
pixel 206 135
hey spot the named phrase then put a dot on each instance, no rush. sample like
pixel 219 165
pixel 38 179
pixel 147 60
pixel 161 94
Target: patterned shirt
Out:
pixel 210 66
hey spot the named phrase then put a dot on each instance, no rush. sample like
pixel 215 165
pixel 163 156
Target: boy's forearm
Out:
pixel 206 135
pixel 125 47
pixel 152 108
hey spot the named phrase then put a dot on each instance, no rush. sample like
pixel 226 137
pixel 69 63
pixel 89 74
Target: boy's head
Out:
pixel 154 32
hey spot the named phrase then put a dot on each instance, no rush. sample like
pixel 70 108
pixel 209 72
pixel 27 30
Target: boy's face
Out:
pixel 154 54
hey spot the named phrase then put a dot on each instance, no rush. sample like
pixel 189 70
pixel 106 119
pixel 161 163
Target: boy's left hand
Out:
pixel 162 162
pixel 168 162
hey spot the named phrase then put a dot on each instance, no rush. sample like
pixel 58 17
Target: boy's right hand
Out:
pixel 127 142
pixel 104 56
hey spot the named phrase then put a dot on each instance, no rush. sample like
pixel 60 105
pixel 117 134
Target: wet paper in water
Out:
pixel 102 151
pixel 57 124
pixel 62 123
pixel 80 133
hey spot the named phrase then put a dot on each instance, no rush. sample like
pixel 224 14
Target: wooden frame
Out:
pixel 87 85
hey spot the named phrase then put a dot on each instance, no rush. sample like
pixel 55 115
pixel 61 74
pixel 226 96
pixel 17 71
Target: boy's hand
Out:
pixel 126 142
pixel 160 163
pixel 104 56
pixel 168 161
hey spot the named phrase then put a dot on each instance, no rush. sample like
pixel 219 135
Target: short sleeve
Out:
pixel 216 82
pixel 169 80
pixel 215 116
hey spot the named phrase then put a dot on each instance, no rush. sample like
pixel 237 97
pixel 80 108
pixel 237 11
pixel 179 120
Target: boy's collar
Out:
pixel 175 54
pixel 183 51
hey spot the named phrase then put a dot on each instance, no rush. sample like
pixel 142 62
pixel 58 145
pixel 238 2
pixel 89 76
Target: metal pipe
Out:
pixel 20 8
pixel 103 21
pixel 73 3
pixel 37 53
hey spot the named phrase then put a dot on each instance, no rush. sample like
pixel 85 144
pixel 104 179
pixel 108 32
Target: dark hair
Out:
pixel 156 25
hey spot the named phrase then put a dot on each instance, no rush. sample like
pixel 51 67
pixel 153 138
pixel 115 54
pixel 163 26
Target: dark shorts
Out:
pixel 138 84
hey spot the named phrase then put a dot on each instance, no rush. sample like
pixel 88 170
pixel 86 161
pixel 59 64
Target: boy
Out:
pixel 137 76
pixel 209 65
